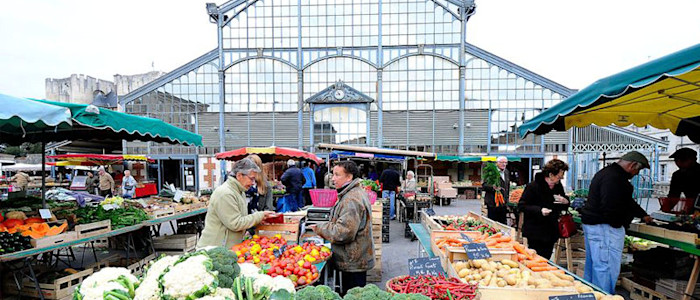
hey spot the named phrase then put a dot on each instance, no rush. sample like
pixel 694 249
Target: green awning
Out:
pixel 663 93
pixel 114 125
pixel 23 117
pixel 468 159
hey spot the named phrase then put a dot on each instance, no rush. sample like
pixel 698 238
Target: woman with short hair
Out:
pixel 227 215
pixel 542 202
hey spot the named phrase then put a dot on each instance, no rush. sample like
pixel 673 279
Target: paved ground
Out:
pixel 396 253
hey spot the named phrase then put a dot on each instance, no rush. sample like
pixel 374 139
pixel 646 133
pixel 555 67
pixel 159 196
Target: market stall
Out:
pixel 144 187
pixel 661 93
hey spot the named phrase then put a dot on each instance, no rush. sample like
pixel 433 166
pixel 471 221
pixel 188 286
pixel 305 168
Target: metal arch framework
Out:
pixel 407 55
pixel 260 57
pixel 613 139
pixel 364 60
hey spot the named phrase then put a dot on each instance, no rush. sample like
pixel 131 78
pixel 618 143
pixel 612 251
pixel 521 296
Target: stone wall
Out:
pixel 128 83
pixel 76 88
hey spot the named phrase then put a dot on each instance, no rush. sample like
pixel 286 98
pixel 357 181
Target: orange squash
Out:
pixel 23 227
pixel 12 230
pixel 33 220
pixel 10 223
pixel 3 228
pixel 54 230
pixel 40 227
pixel 36 235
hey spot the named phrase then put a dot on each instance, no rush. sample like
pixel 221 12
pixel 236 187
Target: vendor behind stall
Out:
pixel 128 185
pixel 20 181
pixel 227 215
pixel 350 228
pixel 686 179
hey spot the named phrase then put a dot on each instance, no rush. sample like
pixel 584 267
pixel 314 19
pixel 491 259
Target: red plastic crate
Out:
pixel 323 197
pixel 676 205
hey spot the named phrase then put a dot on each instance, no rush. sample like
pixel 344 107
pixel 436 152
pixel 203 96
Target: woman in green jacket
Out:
pixel 227 215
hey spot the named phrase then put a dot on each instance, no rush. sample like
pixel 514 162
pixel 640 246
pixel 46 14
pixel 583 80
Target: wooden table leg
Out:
pixel 690 289
pixel 557 252
pixel 569 263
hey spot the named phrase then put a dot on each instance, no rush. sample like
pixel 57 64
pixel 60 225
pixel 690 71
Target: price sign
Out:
pixel 425 266
pixel 477 251
pixel 430 212
pixel 466 237
pixel 45 213
pixel 279 251
pixel 178 196
pixel 586 296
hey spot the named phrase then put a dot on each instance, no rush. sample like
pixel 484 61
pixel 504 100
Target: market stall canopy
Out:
pixel 22 117
pixel 341 154
pixel 375 150
pixel 95 159
pixel 24 167
pixel 663 93
pixel 468 159
pixel 83 121
pixel 268 154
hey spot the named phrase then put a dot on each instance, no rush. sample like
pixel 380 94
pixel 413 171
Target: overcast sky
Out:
pixel 571 42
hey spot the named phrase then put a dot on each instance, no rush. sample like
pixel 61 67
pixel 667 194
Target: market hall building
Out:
pixel 385 73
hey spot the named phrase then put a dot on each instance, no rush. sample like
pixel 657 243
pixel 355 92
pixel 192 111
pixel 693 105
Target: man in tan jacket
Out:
pixel 20 181
pixel 227 215
pixel 106 185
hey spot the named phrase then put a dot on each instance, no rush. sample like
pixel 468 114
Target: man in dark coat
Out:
pixel 609 209
pixel 498 213
pixel 390 180
pixel 686 179
pixel 293 180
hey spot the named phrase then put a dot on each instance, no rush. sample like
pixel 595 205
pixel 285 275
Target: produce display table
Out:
pixel 423 238
pixel 686 247
pixel 148 189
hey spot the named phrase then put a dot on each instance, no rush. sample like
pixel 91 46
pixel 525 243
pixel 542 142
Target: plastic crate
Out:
pixel 676 205
pixel 323 197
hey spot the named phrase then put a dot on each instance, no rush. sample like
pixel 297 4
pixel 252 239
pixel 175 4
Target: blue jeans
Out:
pixel 392 196
pixel 604 245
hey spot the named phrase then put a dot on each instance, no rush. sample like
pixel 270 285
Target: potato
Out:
pixel 564 277
pixel 507 267
pixel 545 286
pixel 493 264
pixel 618 297
pixel 460 265
pixel 514 271
pixel 477 277
pixel 509 263
pixel 582 289
pixel 598 295
pixel 478 263
pixel 463 273
pixel 493 281
pixel 502 273
pixel 501 283
pixel 511 279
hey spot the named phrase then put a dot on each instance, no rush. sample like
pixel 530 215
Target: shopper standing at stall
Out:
pixel 350 228
pixel 687 179
pixel 293 180
pixel 542 203
pixel 128 185
pixel 227 215
pixel 498 212
pixel 409 185
pixel 390 180
pixel 310 182
pixel 106 185
pixel 609 209
pixel 91 183
pixel 20 181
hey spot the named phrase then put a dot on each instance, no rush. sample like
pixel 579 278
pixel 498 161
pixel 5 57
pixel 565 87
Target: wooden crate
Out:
pixel 156 214
pixel 507 230
pixel 680 236
pixel 513 293
pixel 289 230
pixel 175 242
pixel 61 288
pixel 457 253
pixel 135 265
pixel 640 292
pixel 93 229
pixel 375 274
pixel 182 208
pixel 54 240
pixel 436 234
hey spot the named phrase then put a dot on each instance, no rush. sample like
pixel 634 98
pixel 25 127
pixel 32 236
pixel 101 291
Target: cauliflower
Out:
pixel 215 298
pixel 149 288
pixel 261 282
pixel 249 270
pixel 115 282
pixel 224 292
pixel 282 283
pixel 189 278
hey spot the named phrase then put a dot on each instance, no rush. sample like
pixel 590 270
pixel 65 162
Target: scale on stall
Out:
pixel 318 214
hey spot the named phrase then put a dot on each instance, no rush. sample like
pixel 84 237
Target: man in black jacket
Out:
pixel 686 179
pixel 390 180
pixel 609 209
pixel 499 212
pixel 293 180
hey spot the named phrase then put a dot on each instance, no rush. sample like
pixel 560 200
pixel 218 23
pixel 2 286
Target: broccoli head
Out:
pixel 224 261
pixel 321 292
pixel 369 291
pixel 410 297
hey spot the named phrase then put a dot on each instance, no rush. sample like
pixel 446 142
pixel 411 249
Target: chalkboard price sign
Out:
pixel 466 237
pixel 425 266
pixel 586 296
pixel 477 251
pixel 430 212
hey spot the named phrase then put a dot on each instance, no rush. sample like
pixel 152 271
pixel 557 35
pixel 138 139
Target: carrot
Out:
pixel 540 269
pixel 490 243
pixel 496 235
pixel 532 264
pixel 504 239
pixel 522 257
pixel 521 249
